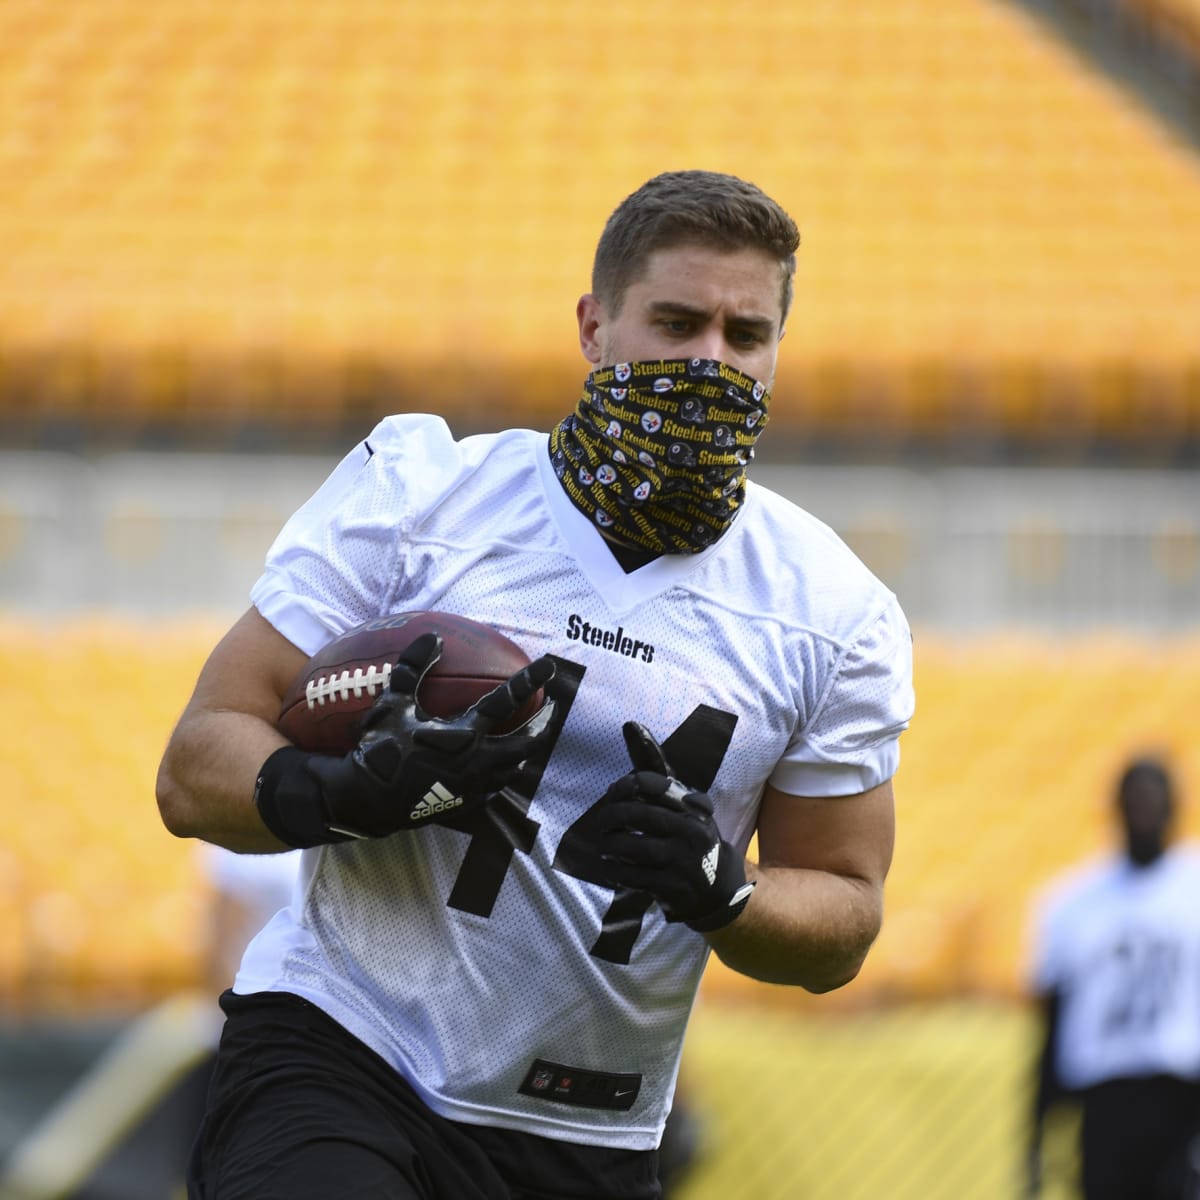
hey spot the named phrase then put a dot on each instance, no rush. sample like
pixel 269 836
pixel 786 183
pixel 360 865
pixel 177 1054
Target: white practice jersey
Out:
pixel 1122 946
pixel 506 991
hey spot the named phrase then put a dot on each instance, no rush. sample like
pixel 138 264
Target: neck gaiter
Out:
pixel 655 453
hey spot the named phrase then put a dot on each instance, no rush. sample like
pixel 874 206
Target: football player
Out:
pixel 492 1002
pixel 1117 976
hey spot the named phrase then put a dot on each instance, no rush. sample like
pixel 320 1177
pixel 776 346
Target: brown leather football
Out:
pixel 323 707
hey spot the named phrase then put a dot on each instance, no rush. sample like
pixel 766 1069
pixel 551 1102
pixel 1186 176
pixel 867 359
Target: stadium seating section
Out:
pixel 253 216
pixel 1006 777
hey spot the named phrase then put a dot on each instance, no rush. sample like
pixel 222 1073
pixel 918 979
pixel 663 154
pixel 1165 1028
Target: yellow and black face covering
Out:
pixel 656 452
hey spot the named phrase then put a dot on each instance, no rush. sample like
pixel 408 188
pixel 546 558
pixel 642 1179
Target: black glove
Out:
pixel 651 833
pixel 408 767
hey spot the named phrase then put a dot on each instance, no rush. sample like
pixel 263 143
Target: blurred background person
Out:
pixel 1117 977
pixel 247 891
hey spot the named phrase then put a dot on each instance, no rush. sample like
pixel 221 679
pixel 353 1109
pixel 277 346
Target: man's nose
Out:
pixel 708 343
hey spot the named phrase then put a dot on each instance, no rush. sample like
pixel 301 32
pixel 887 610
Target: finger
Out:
pixel 650 821
pixel 539 672
pixel 525 683
pixel 654 854
pixel 413 664
pixel 615 874
pixel 618 818
pixel 444 737
pixel 651 785
pixel 537 726
pixel 644 752
pixel 504 700
pixel 623 789
pixel 663 790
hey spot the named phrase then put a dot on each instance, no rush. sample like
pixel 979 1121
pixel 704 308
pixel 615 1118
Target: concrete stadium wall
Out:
pixel 968 550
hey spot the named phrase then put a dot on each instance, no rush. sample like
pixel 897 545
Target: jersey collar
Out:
pixel 621 591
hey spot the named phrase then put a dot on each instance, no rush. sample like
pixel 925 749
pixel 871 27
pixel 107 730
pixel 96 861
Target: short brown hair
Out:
pixel 703 208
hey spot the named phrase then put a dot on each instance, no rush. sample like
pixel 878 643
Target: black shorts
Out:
pixel 298 1109
pixel 1136 1138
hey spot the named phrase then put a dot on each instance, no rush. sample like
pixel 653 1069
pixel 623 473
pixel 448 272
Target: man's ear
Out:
pixel 589 312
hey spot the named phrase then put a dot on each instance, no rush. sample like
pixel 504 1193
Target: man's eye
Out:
pixel 678 325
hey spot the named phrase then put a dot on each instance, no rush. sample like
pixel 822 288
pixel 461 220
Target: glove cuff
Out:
pixel 290 800
pixel 729 881
pixel 726 914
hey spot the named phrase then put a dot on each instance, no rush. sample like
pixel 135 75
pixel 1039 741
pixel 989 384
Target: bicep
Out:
pixel 248 671
pixel 206 777
pixel 850 836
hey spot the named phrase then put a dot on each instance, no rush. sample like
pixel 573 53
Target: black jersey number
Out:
pixel 1147 971
pixel 502 826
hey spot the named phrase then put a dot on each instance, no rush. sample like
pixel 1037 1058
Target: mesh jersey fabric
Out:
pixel 776 644
pixel 1122 945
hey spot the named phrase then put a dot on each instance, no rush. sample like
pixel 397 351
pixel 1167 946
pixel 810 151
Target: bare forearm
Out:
pixel 807 928
pixel 206 780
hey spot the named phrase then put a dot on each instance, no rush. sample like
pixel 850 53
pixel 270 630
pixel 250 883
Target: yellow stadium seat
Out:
pixel 195 230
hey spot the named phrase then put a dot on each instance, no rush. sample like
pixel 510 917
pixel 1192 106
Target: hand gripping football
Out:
pixel 323 707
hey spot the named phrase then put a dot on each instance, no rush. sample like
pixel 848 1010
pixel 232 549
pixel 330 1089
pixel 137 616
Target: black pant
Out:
pixel 298 1109
pixel 1135 1138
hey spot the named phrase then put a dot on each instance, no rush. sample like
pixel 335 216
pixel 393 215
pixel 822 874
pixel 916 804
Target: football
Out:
pixel 323 707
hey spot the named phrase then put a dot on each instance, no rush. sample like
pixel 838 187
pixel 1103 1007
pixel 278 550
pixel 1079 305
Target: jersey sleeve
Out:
pixel 1045 974
pixel 1050 930
pixel 851 741
pixel 338 559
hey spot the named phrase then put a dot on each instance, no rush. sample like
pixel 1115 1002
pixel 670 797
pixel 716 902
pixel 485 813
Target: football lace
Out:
pixel 356 683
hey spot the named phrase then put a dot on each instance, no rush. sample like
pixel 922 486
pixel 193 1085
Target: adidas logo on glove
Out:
pixel 709 863
pixel 437 800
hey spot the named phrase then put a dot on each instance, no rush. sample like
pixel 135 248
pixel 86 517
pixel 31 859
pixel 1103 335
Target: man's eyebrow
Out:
pixel 755 324
pixel 676 308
